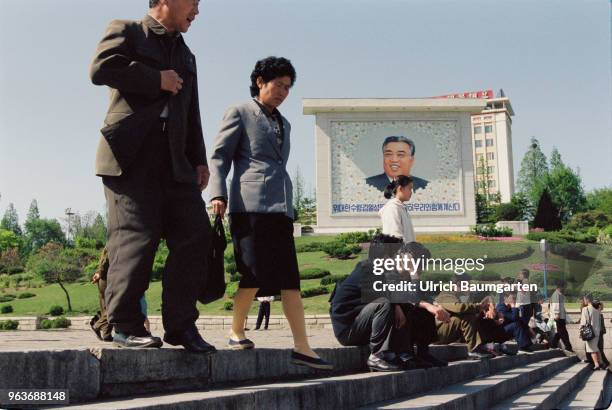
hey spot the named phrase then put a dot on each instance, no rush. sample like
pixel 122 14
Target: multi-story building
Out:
pixel 492 142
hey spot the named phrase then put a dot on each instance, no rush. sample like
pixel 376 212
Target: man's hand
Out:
pixel 96 277
pixel 400 317
pixel 439 312
pixel 218 207
pixel 557 317
pixel 203 175
pixel 170 81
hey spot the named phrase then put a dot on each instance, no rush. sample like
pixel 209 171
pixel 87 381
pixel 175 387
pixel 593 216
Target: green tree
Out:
pixel 600 199
pixel 533 170
pixel 33 212
pixel 9 240
pixel 523 205
pixel 10 220
pixel 40 231
pixel 566 191
pixel 298 190
pixel 547 215
pixel 555 159
pixel 90 229
pixel 55 266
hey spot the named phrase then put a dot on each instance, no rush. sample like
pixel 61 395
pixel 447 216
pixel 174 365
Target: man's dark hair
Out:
pixel 270 68
pixel 384 246
pixel 525 273
pixel 153 3
pixel 396 138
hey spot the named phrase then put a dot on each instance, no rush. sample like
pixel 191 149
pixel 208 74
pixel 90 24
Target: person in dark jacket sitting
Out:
pixel 363 317
pixel 512 323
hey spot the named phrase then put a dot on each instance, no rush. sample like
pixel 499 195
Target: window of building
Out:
pixel 491 183
pixel 478 130
pixel 480 170
pixel 477 143
pixel 490 155
pixel 488 128
pixel 490 169
pixel 489 142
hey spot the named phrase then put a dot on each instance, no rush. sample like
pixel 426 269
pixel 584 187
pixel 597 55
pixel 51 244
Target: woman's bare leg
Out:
pixel 242 303
pixel 294 312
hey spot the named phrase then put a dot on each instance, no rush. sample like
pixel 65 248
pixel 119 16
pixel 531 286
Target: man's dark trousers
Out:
pixel 375 326
pixel 561 334
pixel 264 312
pixel 146 204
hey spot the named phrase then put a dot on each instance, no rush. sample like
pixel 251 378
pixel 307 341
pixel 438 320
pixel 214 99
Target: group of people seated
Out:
pixel 398 327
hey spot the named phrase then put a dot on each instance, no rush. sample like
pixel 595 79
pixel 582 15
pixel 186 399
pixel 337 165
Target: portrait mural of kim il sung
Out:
pixel 367 155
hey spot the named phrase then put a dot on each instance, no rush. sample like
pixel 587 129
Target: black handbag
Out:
pixel 586 331
pixel 213 287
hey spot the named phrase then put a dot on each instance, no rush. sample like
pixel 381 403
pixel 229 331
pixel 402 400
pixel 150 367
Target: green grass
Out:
pixel 84 296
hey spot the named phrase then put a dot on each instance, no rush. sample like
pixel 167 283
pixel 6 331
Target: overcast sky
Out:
pixel 552 58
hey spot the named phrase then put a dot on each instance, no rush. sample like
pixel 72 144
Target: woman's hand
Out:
pixel 218 207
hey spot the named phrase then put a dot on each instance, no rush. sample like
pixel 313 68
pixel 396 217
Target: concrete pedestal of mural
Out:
pixel 351 171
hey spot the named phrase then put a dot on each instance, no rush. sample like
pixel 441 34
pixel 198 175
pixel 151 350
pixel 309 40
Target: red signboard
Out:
pixel 483 94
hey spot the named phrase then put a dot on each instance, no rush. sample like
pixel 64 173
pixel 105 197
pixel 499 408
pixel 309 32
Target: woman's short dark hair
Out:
pixel 401 180
pixel 153 3
pixel 270 68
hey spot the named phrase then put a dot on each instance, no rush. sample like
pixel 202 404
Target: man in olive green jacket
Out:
pixel 152 160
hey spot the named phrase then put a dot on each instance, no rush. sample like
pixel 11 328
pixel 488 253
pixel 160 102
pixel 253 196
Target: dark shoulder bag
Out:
pixel 213 287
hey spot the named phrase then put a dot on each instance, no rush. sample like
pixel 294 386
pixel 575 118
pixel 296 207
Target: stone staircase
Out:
pixel 110 378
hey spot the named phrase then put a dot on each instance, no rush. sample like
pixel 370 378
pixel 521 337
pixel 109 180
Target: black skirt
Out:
pixel 265 252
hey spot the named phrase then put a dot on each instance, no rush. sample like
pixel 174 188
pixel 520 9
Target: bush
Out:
pixel 355 237
pixel 231 289
pixel 568 250
pixel 340 250
pixel 309 247
pixel 235 277
pixel 14 270
pixel 313 273
pixel 320 290
pixel 231 268
pixel 589 219
pixel 329 280
pixel 507 212
pixel 9 325
pixel 6 309
pixel 490 230
pixel 564 236
pixel 7 298
pixel 228 305
pixel 61 323
pixel 26 295
pixel 56 310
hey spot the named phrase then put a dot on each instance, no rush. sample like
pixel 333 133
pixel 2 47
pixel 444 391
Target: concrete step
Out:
pixel 95 373
pixel 548 393
pixel 487 390
pixel 334 392
pixel 594 392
